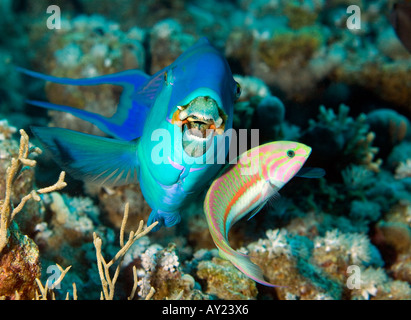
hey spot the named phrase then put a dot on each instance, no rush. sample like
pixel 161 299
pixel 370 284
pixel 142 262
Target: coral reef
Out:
pixel 341 137
pixel 19 267
pixel 19 255
pixel 86 46
pixel 111 201
pixel 225 281
pixel 167 42
pixel 304 75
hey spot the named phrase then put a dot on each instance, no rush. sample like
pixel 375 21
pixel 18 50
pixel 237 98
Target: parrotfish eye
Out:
pixel 237 90
pixel 290 153
pixel 165 78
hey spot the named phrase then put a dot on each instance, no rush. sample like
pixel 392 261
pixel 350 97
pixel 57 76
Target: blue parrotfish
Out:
pixel 164 133
pixel 245 188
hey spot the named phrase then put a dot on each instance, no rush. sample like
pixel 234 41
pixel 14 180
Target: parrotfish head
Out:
pixel 202 103
pixel 283 160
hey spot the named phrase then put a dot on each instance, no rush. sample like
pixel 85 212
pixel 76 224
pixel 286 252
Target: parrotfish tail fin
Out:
pixel 127 122
pixel 243 263
pixel 167 219
pixel 91 158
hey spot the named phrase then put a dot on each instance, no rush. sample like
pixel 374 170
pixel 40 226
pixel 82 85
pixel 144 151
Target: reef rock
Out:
pixel 19 267
pixel 225 281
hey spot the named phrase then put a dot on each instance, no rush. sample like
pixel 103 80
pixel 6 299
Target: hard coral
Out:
pixel 167 42
pixel 393 237
pixel 299 15
pixel 66 230
pixel 284 260
pixel 342 140
pixel 225 281
pixel 390 127
pixel 389 81
pixel 112 199
pixel 19 255
pixel 86 46
pixel 19 267
pixel 160 268
pixel 288 48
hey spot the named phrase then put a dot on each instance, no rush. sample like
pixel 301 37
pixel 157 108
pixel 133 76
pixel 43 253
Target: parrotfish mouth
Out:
pixel 200 120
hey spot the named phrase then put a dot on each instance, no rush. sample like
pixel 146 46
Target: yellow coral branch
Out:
pixel 7 213
pixel 107 282
pixel 135 282
pixel 46 291
pixel 60 184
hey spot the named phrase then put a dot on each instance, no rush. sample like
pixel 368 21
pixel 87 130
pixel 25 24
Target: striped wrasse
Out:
pixel 245 188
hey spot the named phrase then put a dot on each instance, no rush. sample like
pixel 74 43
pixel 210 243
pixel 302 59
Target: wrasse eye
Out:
pixel 237 90
pixel 290 153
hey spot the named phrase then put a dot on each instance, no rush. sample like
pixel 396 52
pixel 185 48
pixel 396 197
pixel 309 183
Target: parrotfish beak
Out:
pixel 200 120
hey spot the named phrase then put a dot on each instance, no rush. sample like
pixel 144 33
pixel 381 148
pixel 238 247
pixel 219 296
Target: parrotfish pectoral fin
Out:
pixel 91 158
pixel 311 173
pixel 167 219
pixel 243 263
pixel 127 123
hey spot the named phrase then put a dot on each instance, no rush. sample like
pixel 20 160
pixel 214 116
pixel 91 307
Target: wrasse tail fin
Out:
pixel 243 263
pixel 91 158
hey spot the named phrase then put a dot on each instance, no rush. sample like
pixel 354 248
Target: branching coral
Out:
pixel 343 139
pixel 19 256
pixel 7 212
pixel 108 282
pixel 403 170
pixel 46 291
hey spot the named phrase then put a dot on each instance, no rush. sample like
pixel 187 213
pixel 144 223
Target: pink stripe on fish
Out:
pixel 247 185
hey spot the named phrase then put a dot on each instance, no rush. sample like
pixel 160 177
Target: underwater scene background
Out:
pixel 310 71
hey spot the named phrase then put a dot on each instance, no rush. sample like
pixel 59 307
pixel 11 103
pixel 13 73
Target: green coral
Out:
pixel 352 138
pixel 290 46
pixel 298 15
pixel 225 281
